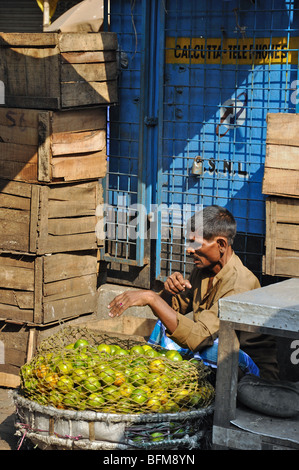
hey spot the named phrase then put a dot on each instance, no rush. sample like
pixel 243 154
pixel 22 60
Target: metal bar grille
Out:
pixel 125 18
pixel 228 64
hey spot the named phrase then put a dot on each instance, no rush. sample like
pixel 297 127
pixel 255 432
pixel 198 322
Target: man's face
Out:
pixel 205 252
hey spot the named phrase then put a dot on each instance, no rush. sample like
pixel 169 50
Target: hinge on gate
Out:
pixel 150 121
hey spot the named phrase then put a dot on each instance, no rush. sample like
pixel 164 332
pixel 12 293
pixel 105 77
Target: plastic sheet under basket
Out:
pixel 207 355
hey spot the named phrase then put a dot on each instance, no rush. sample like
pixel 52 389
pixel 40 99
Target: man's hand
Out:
pixel 128 299
pixel 160 308
pixel 176 284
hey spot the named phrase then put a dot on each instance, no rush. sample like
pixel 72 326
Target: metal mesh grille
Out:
pixel 122 180
pixel 227 65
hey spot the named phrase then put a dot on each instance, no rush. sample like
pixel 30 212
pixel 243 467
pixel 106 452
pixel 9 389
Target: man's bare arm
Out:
pixel 160 308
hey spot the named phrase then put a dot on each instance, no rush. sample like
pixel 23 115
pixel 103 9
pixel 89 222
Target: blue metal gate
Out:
pixel 227 64
pixel 131 179
pixel 190 129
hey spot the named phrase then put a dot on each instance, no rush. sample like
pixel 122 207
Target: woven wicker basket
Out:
pixel 52 428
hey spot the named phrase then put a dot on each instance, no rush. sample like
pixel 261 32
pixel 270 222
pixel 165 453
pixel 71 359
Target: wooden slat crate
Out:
pixel 48 146
pixel 49 288
pixel 281 173
pixel 15 341
pixel 58 71
pixel 282 237
pixel 41 219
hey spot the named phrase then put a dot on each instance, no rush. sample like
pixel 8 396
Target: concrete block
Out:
pixel 107 292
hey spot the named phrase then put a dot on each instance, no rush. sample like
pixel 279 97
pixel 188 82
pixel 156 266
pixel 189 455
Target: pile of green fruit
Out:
pixel 111 379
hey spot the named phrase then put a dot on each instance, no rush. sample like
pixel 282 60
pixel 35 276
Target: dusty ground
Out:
pixel 8 441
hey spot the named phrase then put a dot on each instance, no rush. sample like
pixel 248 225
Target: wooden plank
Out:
pixel 72 42
pixel 15 55
pixel 71 226
pixel 97 72
pixel 44 147
pixel 17 278
pixel 270 240
pixel 15 356
pixel 70 209
pixel 87 57
pixel 66 308
pixel 70 287
pixel 18 152
pixel 20 261
pixel 17 243
pixel 99 228
pixel 9 380
pixel 75 192
pixel 282 157
pixel 10 312
pixel 19 126
pixel 282 128
pixel 287 210
pixel 19 119
pixel 80 167
pixel 17 216
pixel 14 202
pixel 287 266
pixel 78 120
pixel 78 142
pixel 15 188
pixel 33 102
pixel 19 171
pixel 20 299
pixel 17 135
pixel 43 221
pixel 282 237
pixel 34 218
pixel 283 183
pixel 81 94
pixel 38 290
pixel 23 65
pixel 287 235
pixel 15 234
pixel 283 253
pixel 66 265
pixel 11 369
pixel 72 242
pixel 15 340
pixel 10 227
pixel 31 344
pixel 28 39
pixel 227 375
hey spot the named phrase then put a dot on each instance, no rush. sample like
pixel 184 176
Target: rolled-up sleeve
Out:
pixel 197 334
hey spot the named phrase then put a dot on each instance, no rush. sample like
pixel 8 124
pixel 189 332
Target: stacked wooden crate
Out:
pixel 52 155
pixel 281 184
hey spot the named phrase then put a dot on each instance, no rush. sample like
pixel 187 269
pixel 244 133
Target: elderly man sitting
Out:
pixel 218 272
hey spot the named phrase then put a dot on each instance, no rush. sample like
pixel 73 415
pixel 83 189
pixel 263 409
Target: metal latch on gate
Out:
pixel 150 121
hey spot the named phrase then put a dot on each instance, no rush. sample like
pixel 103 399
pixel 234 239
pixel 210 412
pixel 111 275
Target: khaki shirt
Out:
pixel 201 331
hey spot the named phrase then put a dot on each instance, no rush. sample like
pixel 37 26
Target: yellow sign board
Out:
pixel 255 51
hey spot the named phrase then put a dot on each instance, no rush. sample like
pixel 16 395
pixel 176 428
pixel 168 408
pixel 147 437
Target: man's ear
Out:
pixel 222 244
